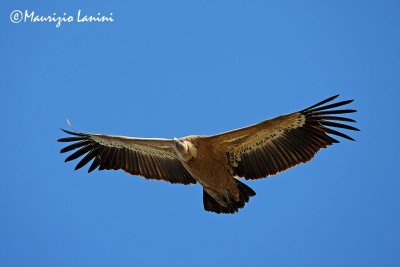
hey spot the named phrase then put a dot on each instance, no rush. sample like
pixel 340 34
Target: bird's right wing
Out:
pixel 148 157
pixel 275 145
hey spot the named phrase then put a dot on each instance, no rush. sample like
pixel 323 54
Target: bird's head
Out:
pixel 182 148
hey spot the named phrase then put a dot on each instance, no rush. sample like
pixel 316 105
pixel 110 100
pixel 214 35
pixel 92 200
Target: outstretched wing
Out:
pixel 150 158
pixel 277 144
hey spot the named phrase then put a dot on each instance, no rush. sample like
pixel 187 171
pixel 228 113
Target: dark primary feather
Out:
pixel 115 158
pixel 80 152
pixel 70 139
pixel 334 105
pixel 323 102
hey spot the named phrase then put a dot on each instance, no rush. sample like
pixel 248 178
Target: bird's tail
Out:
pixel 230 205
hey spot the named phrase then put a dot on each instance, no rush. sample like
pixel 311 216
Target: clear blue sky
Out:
pixel 174 68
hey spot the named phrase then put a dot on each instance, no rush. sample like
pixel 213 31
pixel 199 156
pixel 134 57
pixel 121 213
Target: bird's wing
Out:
pixel 150 158
pixel 275 145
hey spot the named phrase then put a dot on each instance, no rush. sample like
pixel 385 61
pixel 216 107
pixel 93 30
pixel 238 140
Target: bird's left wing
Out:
pixel 275 145
pixel 151 158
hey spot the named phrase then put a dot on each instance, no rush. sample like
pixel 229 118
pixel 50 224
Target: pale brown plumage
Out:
pixel 253 152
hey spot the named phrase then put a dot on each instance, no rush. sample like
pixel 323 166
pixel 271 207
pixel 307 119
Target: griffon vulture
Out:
pixel 252 152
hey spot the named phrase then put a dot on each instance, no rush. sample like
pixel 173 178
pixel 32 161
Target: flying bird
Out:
pixel 252 152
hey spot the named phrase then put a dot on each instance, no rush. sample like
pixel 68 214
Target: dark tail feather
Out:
pixel 210 204
pixel 245 190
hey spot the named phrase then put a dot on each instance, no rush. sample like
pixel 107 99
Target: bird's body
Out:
pixel 215 162
pixel 205 165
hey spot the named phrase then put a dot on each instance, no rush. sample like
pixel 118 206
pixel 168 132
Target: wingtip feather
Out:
pixel 329 99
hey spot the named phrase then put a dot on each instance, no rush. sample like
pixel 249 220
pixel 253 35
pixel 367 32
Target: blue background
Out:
pixel 175 68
